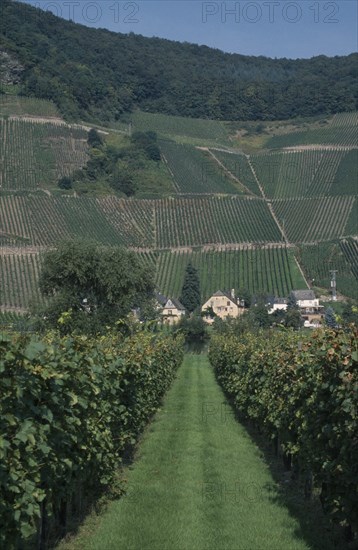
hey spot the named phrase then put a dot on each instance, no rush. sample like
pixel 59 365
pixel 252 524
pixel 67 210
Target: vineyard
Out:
pixel 195 171
pixel 271 269
pixel 18 280
pixel 301 392
pixel 35 155
pixel 238 165
pixel 346 180
pixel 189 222
pixel 298 174
pixel 341 130
pixel 71 409
pixel 350 250
pixel 42 220
pixel 30 106
pixel 178 126
pixel 311 220
pixel 317 261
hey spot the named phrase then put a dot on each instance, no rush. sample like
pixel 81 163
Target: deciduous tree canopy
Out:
pixel 95 73
pixel 99 284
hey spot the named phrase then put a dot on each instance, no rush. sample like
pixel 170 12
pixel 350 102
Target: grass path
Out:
pixel 198 483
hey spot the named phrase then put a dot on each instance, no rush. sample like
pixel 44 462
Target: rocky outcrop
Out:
pixel 10 69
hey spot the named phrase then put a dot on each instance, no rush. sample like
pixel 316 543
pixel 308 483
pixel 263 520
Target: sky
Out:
pixel 273 28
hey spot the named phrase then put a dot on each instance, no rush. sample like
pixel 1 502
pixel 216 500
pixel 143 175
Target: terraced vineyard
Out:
pixel 299 174
pixel 18 280
pixel 35 154
pixel 317 261
pixel 342 130
pixel 350 250
pixel 271 269
pixel 346 178
pixel 192 222
pixel 311 192
pixel 195 171
pixel 19 106
pixel 239 167
pixel 178 126
pixel 42 220
pixel 312 220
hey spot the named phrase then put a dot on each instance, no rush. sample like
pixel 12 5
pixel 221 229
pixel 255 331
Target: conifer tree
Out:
pixel 190 294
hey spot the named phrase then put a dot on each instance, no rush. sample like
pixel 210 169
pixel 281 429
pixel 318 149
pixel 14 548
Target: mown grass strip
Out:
pixel 199 482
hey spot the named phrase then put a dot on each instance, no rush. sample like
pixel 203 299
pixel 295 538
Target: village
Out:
pixel 227 305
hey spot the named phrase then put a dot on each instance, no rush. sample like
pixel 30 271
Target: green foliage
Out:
pixel 303 391
pixel 98 285
pixel 65 183
pixel 293 318
pixel 94 139
pixel 330 318
pixel 190 293
pixel 70 410
pixel 121 165
pixel 151 74
pixel 260 315
pixel 193 328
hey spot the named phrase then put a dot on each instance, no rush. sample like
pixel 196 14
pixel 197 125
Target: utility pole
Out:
pixel 333 284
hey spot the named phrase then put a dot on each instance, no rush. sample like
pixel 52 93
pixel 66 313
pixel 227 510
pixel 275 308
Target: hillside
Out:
pixel 93 73
pixel 268 220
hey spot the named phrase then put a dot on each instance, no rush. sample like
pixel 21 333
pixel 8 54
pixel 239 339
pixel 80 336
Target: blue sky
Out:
pixel 274 28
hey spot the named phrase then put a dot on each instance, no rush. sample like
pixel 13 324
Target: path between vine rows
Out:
pixel 198 482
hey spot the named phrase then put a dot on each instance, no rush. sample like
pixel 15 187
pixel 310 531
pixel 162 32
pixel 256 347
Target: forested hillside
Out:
pixel 94 73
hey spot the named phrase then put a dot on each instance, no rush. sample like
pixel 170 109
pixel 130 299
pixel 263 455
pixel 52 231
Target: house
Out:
pixel 223 305
pixel 172 311
pixel 277 304
pixel 311 310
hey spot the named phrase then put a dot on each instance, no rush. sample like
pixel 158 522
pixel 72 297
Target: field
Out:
pixel 317 261
pixel 196 171
pixel 36 154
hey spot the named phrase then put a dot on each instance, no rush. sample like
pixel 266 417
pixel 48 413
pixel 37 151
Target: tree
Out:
pixel 245 296
pixel 190 294
pixel 94 139
pixel 350 313
pixel 194 329
pixel 98 284
pixel 260 315
pixel 64 183
pixel 330 318
pixel 293 317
